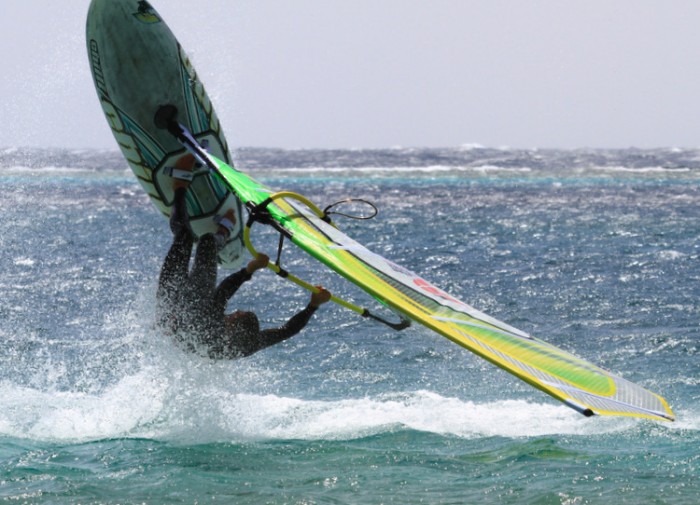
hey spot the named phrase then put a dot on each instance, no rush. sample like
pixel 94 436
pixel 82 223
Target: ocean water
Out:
pixel 596 251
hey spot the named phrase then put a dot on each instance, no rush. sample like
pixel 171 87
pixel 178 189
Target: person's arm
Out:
pixel 233 282
pixel 274 336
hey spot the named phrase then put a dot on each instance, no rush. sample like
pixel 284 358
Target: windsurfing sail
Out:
pixel 579 384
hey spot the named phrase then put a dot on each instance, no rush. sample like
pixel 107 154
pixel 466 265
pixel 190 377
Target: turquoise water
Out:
pixel 594 251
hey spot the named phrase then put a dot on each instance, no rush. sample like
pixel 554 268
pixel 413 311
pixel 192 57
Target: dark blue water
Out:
pixel 594 251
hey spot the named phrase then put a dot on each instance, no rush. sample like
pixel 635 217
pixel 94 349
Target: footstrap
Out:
pixel 177 173
pixel 225 222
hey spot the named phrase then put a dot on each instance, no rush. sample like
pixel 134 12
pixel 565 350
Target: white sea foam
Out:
pixel 406 169
pixel 24 261
pixel 288 418
pixel 470 147
pixel 641 170
pixel 150 405
pixel 76 417
pixel 671 255
pixel 58 170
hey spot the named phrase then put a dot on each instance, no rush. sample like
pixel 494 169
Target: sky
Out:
pixel 384 73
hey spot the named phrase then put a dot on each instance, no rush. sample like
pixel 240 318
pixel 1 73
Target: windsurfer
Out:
pixel 191 306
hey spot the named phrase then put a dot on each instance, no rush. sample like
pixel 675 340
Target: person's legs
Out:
pixel 173 273
pixel 203 274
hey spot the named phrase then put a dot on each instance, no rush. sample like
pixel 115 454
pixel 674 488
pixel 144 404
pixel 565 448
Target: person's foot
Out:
pixel 181 174
pixel 182 171
pixel 179 221
pixel 226 224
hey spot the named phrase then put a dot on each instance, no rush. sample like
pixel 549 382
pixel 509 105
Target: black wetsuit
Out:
pixel 192 307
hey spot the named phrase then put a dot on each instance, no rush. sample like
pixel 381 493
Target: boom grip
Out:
pixel 296 280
